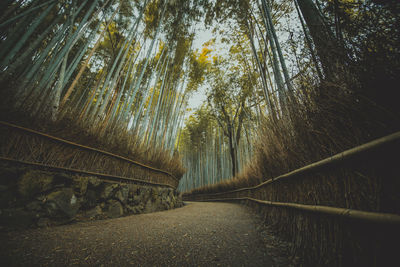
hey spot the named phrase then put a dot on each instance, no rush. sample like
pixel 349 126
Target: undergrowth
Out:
pixel 126 145
pixel 318 125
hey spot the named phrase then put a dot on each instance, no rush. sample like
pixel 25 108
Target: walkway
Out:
pixel 199 234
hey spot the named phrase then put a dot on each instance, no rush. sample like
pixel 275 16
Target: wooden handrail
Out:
pixel 328 162
pixel 86 147
pixel 367 216
pixel 112 177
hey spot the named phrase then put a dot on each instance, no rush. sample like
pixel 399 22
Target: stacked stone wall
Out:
pixel 31 197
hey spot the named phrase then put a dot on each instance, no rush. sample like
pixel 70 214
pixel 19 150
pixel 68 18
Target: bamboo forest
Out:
pixel 111 108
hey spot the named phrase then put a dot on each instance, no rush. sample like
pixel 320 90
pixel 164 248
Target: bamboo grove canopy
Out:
pixel 116 68
pixel 123 70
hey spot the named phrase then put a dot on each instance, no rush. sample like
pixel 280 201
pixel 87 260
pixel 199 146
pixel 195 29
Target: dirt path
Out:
pixel 199 234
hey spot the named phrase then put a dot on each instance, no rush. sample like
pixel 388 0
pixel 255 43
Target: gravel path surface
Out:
pixel 199 234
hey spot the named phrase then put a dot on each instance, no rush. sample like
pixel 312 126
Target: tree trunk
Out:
pixel 232 151
pixel 308 41
pixel 278 48
pixel 328 50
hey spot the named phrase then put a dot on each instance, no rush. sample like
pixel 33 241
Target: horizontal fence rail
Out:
pixel 102 175
pixel 86 148
pixel 392 141
pixel 374 217
pixel 325 163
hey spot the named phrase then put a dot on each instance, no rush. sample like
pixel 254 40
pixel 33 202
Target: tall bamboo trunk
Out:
pixel 328 50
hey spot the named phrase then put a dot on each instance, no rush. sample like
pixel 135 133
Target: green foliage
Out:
pixel 199 62
pixel 132 84
pixel 152 17
pixel 197 127
pixel 112 42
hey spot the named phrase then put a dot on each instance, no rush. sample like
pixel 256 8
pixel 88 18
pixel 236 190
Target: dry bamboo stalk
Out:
pixel 86 172
pixel 86 147
pixel 375 217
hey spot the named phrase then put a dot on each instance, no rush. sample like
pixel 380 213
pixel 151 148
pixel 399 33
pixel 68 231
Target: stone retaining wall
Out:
pixel 37 198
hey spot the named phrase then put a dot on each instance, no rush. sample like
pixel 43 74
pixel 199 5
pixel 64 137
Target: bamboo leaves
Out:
pixel 116 68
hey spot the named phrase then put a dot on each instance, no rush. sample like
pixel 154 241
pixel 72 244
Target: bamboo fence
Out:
pixel 29 147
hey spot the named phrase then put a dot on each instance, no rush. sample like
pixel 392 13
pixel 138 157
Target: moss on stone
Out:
pixel 81 185
pixel 34 182
pixel 62 203
pixel 154 194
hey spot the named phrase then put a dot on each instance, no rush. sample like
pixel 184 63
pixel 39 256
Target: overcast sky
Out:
pixel 202 35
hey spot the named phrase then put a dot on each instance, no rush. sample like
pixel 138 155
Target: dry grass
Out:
pixel 317 126
pixel 22 146
pixel 369 184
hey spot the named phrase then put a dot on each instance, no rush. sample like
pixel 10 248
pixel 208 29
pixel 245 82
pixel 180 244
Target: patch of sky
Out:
pixel 204 35
pixel 287 27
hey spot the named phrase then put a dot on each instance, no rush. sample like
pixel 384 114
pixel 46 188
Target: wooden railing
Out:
pixel 391 141
pixel 173 183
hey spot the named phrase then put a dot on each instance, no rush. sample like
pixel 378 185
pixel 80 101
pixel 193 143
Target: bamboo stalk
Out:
pixel 84 65
pixel 26 12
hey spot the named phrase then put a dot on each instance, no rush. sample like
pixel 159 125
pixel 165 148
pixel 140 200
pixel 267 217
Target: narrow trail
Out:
pixel 198 234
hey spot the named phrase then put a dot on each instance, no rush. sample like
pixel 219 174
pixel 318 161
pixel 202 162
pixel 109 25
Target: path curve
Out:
pixel 198 234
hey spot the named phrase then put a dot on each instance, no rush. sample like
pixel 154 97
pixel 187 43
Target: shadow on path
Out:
pixel 199 234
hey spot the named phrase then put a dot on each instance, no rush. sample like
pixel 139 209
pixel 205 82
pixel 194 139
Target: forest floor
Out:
pixel 198 234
